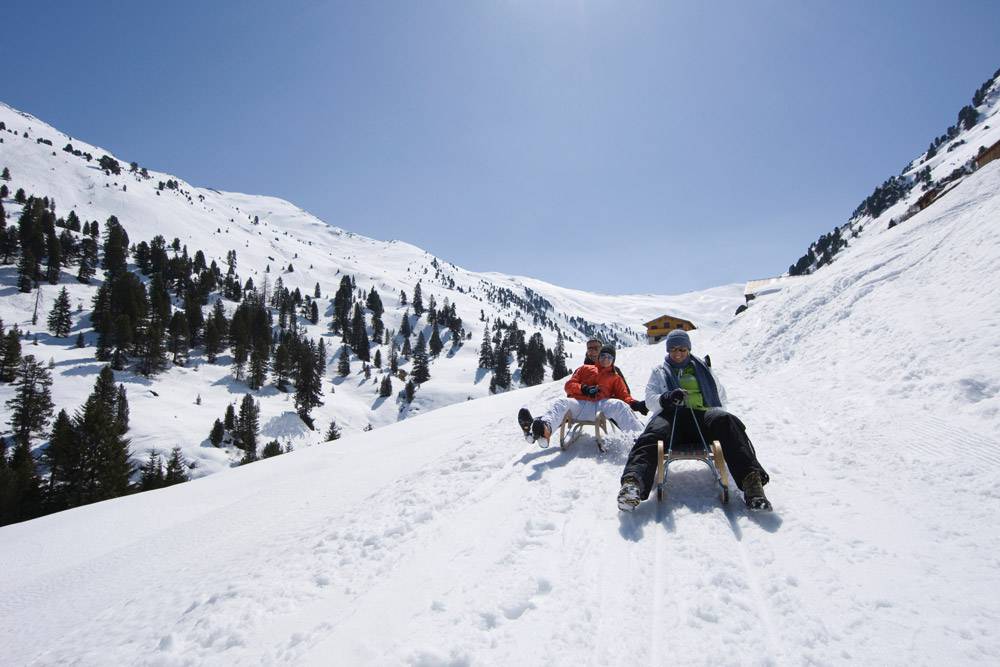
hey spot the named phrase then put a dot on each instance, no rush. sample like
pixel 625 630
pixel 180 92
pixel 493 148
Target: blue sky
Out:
pixel 610 146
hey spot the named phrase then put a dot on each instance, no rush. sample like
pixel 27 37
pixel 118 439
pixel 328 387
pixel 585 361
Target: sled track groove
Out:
pixel 937 438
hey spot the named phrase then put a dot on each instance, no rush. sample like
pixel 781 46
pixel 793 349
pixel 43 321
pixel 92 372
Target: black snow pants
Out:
pixel 715 424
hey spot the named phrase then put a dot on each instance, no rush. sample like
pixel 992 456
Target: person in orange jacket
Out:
pixel 589 390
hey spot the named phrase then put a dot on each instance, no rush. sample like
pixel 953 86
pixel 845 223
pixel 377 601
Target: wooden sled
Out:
pixel 709 454
pixel 576 429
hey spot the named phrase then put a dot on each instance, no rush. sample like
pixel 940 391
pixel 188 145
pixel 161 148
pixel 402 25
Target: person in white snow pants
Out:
pixel 591 388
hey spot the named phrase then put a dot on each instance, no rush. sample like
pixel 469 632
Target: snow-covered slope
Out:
pixel 870 389
pixel 178 407
pixel 925 181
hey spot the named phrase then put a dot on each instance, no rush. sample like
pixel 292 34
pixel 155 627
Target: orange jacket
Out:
pixel 611 385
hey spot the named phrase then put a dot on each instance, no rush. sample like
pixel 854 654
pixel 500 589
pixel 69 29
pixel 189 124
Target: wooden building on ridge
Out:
pixel 657 330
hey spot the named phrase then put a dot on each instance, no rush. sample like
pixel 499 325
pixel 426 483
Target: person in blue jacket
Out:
pixel 684 389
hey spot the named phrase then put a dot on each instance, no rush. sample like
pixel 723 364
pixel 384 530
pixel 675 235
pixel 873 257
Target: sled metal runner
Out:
pixel 576 429
pixel 709 454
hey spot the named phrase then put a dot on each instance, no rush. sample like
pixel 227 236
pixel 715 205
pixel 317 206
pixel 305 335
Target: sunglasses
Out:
pixel 606 356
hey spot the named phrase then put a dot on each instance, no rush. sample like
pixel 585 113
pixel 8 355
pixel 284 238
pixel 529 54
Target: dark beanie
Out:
pixel 678 338
pixel 608 349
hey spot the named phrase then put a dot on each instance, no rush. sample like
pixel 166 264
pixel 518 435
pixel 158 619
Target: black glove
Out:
pixel 640 407
pixel 675 398
pixel 589 389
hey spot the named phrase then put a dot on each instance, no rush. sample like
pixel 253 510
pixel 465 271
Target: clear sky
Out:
pixel 610 146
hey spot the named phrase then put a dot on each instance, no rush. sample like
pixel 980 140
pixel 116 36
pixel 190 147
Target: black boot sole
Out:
pixel 524 420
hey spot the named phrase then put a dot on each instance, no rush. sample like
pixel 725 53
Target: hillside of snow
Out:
pixel 274 239
pixel 870 390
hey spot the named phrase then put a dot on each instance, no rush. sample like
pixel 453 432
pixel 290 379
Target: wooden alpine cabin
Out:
pixel 657 330
pixel 988 155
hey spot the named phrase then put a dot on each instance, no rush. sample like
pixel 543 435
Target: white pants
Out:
pixel 612 408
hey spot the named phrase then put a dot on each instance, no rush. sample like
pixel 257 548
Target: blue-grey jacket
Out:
pixel 663 379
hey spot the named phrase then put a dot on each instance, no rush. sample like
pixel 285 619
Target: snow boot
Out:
pixel 753 492
pixel 524 420
pixel 541 431
pixel 628 497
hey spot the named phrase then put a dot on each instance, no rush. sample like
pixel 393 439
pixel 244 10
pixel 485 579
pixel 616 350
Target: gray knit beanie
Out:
pixel 678 338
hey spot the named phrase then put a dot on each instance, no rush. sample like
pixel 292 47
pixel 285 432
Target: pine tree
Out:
pixel 378 329
pixel 421 372
pixel 533 370
pixel 559 370
pixel 115 249
pixel 258 368
pixel 195 318
pixel 177 467
pixel 10 357
pixel 404 325
pixel 151 472
pixel 308 387
pixel 31 405
pixel 123 334
pixel 418 302
pixel 152 348
pixel 374 303
pixel 27 270
pixel 248 426
pixel 8 244
pixel 408 391
pixel 106 453
pixel 122 409
pixel 435 343
pixel 60 321
pixel 21 491
pixel 361 344
pixel 333 433
pixel 54 259
pixel 65 460
pixel 486 351
pixel 344 362
pixel 271 449
pixel 501 372
pixel 385 388
pixel 281 368
pixel 212 342
pixel 218 432
pixel 230 418
pixel 342 303
pixel 377 359
pixel 88 260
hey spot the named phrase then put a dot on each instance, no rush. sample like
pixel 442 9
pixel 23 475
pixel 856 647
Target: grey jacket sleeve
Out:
pixel 657 385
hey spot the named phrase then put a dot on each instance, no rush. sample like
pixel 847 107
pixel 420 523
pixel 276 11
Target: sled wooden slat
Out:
pixel 576 429
pixel 687 452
